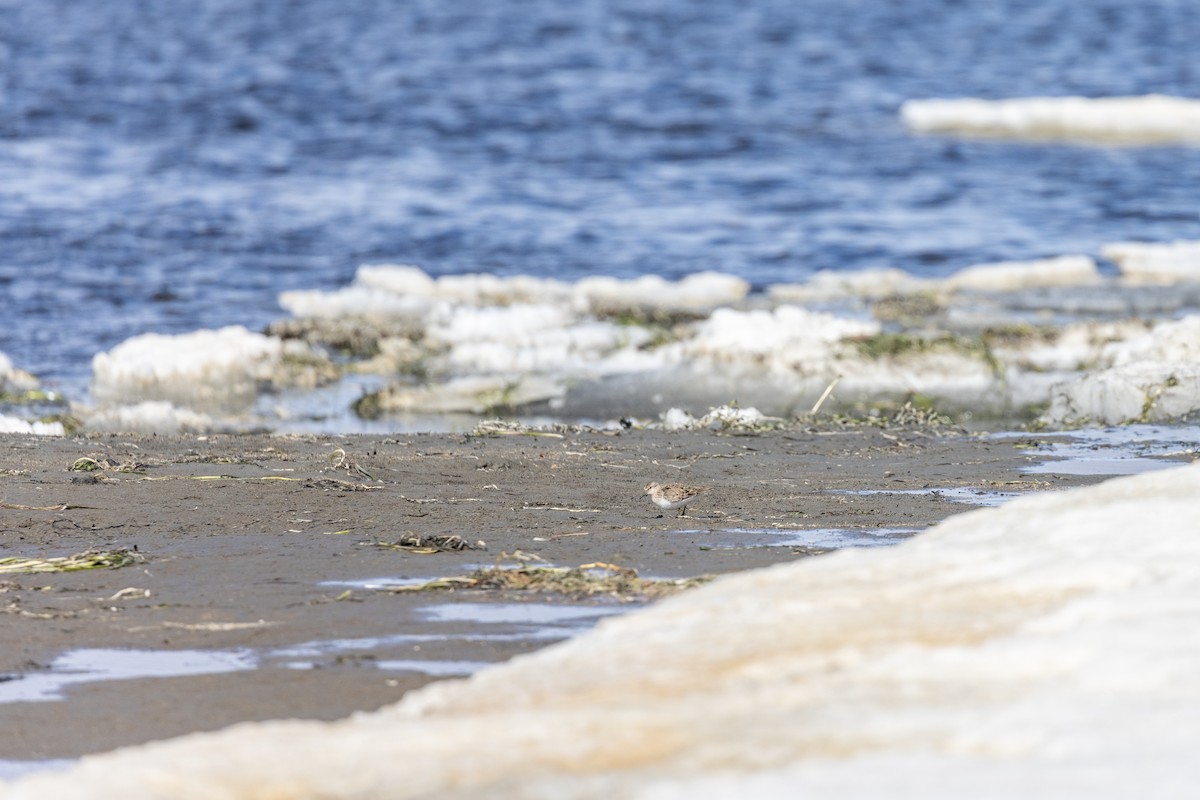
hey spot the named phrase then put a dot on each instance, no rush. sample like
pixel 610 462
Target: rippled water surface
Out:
pixel 170 166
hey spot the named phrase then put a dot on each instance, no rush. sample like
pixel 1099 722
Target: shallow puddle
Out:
pixel 535 623
pixel 375 584
pixel 101 664
pixel 437 669
pixel 12 769
pixel 815 539
pixel 1125 450
pixel 518 613
pixel 1100 466
pixel 970 495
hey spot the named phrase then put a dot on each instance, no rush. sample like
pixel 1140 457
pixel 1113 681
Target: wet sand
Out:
pixel 246 538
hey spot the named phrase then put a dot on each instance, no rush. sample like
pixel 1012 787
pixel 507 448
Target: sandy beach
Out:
pixel 252 546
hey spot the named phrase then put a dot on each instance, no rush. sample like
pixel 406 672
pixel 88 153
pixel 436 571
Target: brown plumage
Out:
pixel 673 495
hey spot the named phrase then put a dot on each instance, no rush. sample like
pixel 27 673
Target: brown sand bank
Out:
pixel 238 534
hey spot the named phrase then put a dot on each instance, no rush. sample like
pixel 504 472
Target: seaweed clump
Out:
pixel 89 559
pixel 586 581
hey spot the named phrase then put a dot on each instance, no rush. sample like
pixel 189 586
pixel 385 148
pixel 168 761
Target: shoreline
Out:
pixel 239 534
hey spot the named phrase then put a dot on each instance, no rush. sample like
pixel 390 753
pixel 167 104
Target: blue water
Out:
pixel 171 166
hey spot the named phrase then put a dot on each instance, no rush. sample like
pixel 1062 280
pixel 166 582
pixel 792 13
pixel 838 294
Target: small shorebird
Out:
pixel 673 495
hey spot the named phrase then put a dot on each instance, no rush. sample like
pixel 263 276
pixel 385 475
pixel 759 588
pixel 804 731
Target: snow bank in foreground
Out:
pixel 1045 648
pixel 1150 119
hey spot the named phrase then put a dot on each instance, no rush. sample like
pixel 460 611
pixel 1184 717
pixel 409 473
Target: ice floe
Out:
pixel 187 376
pixel 1043 648
pixel 13 380
pixel 1141 392
pixel 152 416
pixel 1174 262
pixel 1014 275
pixel 21 396
pixel 1150 377
pixel 871 284
pixel 1147 119
pixel 1008 338
pixel 10 424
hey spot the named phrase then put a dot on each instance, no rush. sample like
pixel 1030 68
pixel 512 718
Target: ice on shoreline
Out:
pixel 18 391
pixel 11 424
pixel 1147 119
pixel 1005 339
pixel 1140 262
pixel 1044 647
pixel 171 383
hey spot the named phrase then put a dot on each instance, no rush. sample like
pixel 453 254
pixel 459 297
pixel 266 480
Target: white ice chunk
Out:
pixel 13 379
pixel 484 289
pixel 1082 345
pixel 515 324
pixel 1137 392
pixel 353 301
pixel 1009 276
pixel 1167 342
pixel 675 419
pixel 1176 262
pixel 697 293
pixel 387 290
pixel 207 370
pixel 954 376
pixel 396 279
pixel 9 424
pixel 730 416
pixel 541 339
pixel 1148 119
pixel 149 417
pixel 477 394
pixel 867 283
pixel 787 333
